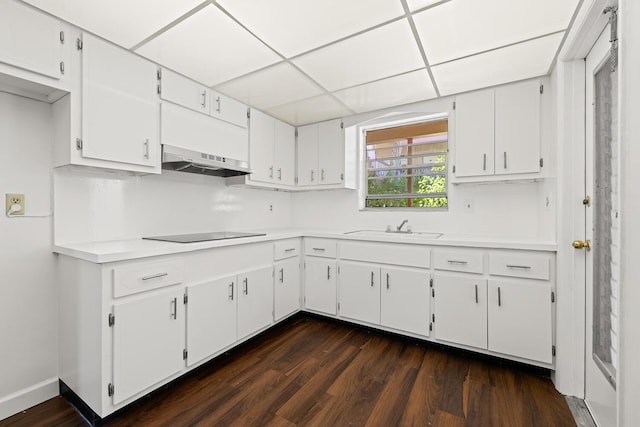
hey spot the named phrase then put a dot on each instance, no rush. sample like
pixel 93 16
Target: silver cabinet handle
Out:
pixel 245 285
pixel 328 272
pixel 231 291
pixel 476 294
pixel 311 175
pixel 372 279
pixel 155 276
pixel 505 159
pixel 321 174
pixel 387 280
pixel 519 267
pixel 204 99
pixel 271 172
pixel 484 162
pixel 174 308
pixel 499 297
pixel 218 102
pixel 282 275
pixel 319 249
pixel 280 174
pixel 290 249
pixel 453 261
pixel 146 148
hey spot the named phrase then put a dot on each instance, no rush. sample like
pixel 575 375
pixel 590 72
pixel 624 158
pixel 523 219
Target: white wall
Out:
pixel 28 290
pixel 95 205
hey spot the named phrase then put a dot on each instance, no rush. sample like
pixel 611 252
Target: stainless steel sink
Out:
pixel 401 235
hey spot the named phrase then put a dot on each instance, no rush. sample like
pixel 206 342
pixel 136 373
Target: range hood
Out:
pixel 182 160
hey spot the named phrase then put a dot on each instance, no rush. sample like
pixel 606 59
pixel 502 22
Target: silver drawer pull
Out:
pixel 282 275
pixel 246 286
pixel 290 249
pixel 519 267
pixel 231 291
pixel 155 276
pixel 174 308
pixel 372 279
pixel 328 272
pixel 476 294
pixel 319 249
pixel 499 297
pixel 453 261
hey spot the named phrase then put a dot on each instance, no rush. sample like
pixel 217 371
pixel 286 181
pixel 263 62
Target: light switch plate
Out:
pixel 16 200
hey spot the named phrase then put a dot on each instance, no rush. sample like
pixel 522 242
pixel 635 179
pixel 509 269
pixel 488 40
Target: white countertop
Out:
pixel 121 250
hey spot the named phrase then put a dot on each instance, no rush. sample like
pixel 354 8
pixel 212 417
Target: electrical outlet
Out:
pixel 15 204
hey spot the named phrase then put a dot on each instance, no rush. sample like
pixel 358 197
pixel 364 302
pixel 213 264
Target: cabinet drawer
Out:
pixel 387 253
pixel 532 265
pixel 140 277
pixel 286 249
pixel 459 260
pixel 320 247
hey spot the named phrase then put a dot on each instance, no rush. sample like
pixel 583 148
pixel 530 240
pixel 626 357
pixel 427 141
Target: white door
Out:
pixel 261 139
pixel 330 149
pixel 474 134
pixel 308 155
pixel 255 300
pixel 120 111
pixel 460 308
pixel 284 153
pixel 360 291
pixel 602 230
pixel 320 293
pixel 404 301
pixel 148 340
pixel 286 287
pixel 211 318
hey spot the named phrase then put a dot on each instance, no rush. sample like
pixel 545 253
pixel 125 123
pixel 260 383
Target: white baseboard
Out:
pixel 28 397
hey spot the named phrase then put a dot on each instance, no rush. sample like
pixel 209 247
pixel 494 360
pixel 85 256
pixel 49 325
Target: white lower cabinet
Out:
pixel 148 341
pixel 360 291
pixel 404 302
pixel 519 319
pixel 286 287
pixel 460 308
pixel 211 317
pixel 255 300
pixel 320 293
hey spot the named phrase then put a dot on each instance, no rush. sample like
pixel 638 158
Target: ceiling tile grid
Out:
pixel 313 60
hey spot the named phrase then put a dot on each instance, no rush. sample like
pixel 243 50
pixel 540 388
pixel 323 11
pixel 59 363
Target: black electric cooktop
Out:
pixel 203 237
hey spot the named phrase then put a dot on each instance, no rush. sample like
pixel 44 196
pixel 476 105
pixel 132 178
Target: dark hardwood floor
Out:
pixel 315 372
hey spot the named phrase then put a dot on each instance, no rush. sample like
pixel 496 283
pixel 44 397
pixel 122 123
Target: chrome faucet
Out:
pixel 399 228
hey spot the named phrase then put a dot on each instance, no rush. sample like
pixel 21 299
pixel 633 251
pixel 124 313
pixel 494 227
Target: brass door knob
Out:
pixel 579 244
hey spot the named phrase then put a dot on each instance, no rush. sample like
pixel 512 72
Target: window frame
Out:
pixel 363 160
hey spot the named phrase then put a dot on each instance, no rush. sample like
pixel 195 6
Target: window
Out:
pixel 406 165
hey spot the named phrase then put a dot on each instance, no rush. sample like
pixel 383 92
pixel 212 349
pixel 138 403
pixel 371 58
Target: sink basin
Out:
pixel 414 235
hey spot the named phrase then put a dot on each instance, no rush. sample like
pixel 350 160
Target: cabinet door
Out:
pixel 460 308
pixel 255 300
pixel 474 134
pixel 119 105
pixel 183 91
pixel 211 318
pixel 287 287
pixel 360 291
pixel 404 301
pixel 320 284
pixel 284 153
pixel 330 152
pixel 308 155
pixel 520 319
pixel 148 341
pixel 517 119
pixel 228 109
pixel 30 39
pixel 261 140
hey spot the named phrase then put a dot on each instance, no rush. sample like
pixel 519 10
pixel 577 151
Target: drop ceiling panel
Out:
pixel 420 4
pixel 209 47
pixel 398 90
pixel 276 85
pixel 295 26
pixel 123 22
pixel 376 54
pixel 310 110
pixel 517 62
pixel 463 27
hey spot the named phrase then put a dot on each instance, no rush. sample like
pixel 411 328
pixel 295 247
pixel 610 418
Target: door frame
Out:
pixel 570 80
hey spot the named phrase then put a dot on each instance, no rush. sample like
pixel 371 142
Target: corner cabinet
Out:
pixel 321 154
pixel 320 275
pixel 498 133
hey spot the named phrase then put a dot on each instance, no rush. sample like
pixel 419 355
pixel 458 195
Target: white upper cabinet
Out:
pixel 228 109
pixel 284 154
pixel 517 137
pixel 31 40
pixel 497 133
pixel 119 105
pixel 183 91
pixel 321 154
